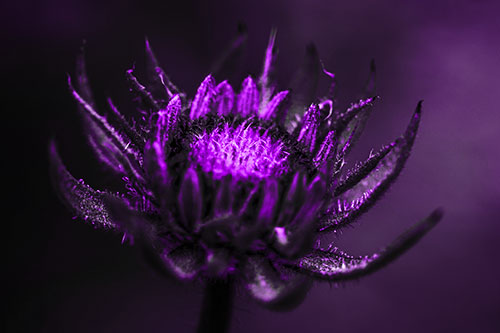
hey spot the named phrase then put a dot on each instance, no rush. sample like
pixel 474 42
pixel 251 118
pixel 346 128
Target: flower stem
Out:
pixel 217 307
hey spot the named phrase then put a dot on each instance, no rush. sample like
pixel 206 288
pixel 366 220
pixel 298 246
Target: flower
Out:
pixel 239 185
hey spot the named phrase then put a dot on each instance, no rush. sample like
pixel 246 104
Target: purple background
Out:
pixel 66 277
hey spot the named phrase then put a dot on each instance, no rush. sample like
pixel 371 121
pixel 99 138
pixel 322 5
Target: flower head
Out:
pixel 238 184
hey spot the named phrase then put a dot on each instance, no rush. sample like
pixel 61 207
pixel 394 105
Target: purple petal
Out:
pixel 270 110
pixel 335 265
pixel 168 120
pixel 86 202
pixel 203 98
pixel 224 99
pixel 269 202
pixel 273 285
pixel 248 99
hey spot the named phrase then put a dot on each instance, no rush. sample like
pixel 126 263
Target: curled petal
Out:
pixel 87 203
pixel 380 174
pixel 203 98
pixel 273 285
pixel 224 99
pixel 334 265
pixel 248 99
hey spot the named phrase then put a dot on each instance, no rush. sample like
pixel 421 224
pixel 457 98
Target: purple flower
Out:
pixel 239 182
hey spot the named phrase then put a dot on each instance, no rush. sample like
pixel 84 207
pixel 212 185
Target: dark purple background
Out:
pixel 67 277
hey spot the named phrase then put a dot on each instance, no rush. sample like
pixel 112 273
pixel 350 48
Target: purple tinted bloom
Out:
pixel 239 185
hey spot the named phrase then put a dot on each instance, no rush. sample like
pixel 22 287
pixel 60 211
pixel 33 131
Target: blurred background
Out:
pixel 66 277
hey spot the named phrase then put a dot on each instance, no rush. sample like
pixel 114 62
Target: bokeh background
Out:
pixel 66 277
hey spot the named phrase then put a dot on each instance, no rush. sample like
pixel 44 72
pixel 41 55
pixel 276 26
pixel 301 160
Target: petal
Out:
pixel 309 127
pixel 248 99
pixel 325 152
pixel 203 98
pixel 335 265
pixel 86 202
pixel 296 238
pixel 358 198
pixel 168 120
pixel 293 200
pixel 273 285
pixel 190 201
pixel 224 99
pixel 270 110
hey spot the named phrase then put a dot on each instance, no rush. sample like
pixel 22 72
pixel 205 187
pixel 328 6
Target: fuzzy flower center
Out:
pixel 243 152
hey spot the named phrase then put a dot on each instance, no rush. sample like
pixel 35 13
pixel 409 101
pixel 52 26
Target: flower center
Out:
pixel 242 151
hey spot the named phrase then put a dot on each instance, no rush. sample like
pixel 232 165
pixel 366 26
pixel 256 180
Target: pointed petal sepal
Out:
pixel 334 265
pixel 309 130
pixel 296 237
pixel 224 98
pixel 168 120
pixel 325 153
pixel 381 172
pixel 111 147
pixel 87 203
pixel 142 92
pixel 248 99
pixel 190 201
pixel 273 285
pixel 204 97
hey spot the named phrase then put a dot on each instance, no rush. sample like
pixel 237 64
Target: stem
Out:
pixel 217 307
